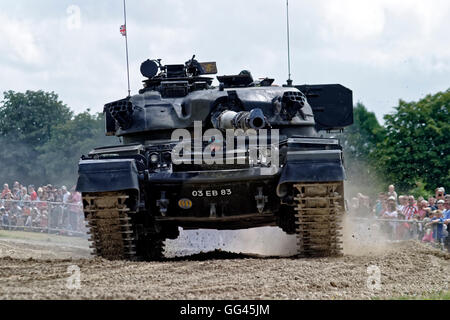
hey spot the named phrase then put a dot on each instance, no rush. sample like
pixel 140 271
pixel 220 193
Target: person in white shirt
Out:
pixel 391 213
pixel 66 194
pixel 403 201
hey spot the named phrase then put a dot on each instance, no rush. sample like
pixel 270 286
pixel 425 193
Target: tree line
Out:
pixel 42 139
pixel 411 149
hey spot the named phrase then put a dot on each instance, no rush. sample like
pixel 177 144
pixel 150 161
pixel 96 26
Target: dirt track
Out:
pixel 39 271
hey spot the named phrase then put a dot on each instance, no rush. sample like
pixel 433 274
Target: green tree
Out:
pixel 42 140
pixel 26 123
pixel 29 117
pixel 416 148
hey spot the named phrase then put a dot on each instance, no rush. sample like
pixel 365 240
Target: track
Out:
pixel 319 219
pixel 111 232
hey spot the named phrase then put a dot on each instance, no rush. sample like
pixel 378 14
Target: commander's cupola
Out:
pixel 176 80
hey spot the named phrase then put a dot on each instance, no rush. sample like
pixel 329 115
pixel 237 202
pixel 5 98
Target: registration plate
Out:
pixel 211 193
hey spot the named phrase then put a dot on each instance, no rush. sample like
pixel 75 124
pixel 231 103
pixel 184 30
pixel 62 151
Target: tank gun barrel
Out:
pixel 253 119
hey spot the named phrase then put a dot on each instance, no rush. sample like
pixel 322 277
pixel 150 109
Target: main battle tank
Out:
pixel 243 154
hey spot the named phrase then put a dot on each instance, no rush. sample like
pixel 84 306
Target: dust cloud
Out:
pixel 362 238
pixel 266 241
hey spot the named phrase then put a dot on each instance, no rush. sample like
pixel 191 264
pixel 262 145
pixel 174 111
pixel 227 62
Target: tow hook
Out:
pixel 261 200
pixel 212 211
pixel 163 203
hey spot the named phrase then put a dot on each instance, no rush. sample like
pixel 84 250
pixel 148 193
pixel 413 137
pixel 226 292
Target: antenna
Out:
pixel 289 81
pixel 126 45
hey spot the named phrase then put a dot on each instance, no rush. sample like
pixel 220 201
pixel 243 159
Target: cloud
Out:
pixel 18 42
pixel 354 20
pixel 382 49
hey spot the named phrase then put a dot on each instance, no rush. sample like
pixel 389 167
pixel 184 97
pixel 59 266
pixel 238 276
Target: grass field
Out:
pixel 444 295
pixel 42 237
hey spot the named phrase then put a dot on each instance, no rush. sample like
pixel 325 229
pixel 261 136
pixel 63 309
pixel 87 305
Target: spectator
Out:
pixel 429 212
pixel 392 193
pixel 440 205
pixel 446 218
pixel 42 198
pixel 33 194
pixel 380 205
pixel 407 212
pixel 74 200
pixel 28 219
pixel 440 193
pixel 56 216
pixel 391 213
pixel 403 200
pixel 26 211
pixel 446 211
pixel 24 196
pixel 421 212
pixel 420 215
pixel 50 194
pixel 432 203
pixel 410 209
pixel 8 203
pixel 5 191
pixel 17 191
pixel 447 202
pixel 438 226
pixel 428 230
pixel 361 205
pixel 58 195
pixel 5 218
pixel 65 194
pixel 43 219
pixel 35 219
pixel 40 192
pixel 12 220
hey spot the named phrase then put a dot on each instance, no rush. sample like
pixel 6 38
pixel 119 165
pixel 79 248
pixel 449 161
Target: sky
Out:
pixel 383 50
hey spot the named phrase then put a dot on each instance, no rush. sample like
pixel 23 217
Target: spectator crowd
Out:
pixel 45 209
pixel 57 210
pixel 405 217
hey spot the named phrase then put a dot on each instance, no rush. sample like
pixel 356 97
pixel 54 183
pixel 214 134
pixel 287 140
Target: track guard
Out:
pixel 312 172
pixel 107 175
pixel 307 171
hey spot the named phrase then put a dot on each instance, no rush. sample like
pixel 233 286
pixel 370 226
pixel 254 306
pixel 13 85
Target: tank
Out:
pixel 242 154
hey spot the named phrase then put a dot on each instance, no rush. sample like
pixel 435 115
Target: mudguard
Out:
pixel 107 175
pixel 312 166
pixel 319 171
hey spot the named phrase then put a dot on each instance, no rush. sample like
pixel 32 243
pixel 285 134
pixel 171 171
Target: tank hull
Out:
pixel 224 199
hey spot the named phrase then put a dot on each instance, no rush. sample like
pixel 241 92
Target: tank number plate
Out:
pixel 211 193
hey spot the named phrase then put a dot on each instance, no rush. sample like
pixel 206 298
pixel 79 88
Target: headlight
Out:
pixel 154 158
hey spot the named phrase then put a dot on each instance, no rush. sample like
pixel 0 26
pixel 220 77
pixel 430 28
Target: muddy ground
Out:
pixel 47 268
